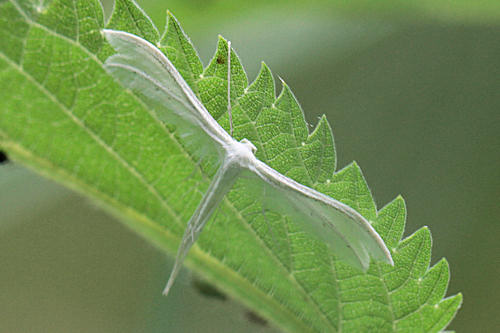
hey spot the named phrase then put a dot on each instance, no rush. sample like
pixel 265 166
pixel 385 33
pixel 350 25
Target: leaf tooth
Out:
pixel 218 68
pixel 287 102
pixel 435 283
pixel 179 49
pixel 259 96
pixel 128 16
pixel 349 186
pixel 390 222
pixel 440 315
pixel 414 253
pixel 319 152
pixel 264 85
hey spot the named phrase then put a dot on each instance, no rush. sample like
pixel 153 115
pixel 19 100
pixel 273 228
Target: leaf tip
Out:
pixel 354 165
pixel 424 233
pixel 323 121
pixel 221 39
pixel 286 92
pixel 399 201
pixel 172 19
pixel 264 68
pixel 283 83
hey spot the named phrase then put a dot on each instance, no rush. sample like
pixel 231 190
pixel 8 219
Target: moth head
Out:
pixel 249 145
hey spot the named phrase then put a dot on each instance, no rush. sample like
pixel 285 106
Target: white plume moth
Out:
pixel 144 69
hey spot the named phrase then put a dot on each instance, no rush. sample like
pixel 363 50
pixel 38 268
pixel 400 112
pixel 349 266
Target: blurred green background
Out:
pixel 412 91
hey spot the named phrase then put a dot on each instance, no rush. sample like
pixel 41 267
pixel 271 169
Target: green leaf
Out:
pixel 128 16
pixel 179 50
pixel 64 116
pixel 80 21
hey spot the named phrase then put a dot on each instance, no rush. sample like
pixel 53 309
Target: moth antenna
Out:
pixel 229 87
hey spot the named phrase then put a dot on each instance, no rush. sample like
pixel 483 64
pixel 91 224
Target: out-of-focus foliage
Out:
pixel 394 10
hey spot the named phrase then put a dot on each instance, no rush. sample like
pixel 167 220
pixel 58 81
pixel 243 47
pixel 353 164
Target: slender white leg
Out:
pixel 221 184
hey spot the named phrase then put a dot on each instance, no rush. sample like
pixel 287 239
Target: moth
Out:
pixel 144 69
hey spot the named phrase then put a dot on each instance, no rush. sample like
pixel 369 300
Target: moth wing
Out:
pixel 144 69
pixel 344 230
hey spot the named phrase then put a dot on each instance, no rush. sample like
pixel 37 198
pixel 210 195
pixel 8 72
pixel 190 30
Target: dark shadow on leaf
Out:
pixel 255 318
pixel 207 290
pixel 3 157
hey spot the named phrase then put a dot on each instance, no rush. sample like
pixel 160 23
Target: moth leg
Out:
pixel 216 214
pixel 193 230
pixel 218 188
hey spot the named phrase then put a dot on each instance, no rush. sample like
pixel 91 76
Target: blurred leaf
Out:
pixel 64 116
pixel 461 11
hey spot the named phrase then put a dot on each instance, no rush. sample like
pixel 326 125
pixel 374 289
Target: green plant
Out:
pixel 64 116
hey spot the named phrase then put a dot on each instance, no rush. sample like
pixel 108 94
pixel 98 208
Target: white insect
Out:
pixel 144 69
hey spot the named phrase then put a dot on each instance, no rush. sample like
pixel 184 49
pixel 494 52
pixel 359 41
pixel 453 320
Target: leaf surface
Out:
pixel 64 116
